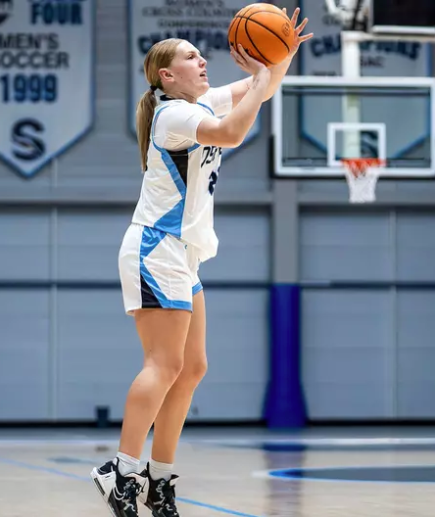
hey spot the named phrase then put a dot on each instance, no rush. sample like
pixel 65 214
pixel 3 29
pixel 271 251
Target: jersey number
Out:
pixel 213 180
pixel 209 154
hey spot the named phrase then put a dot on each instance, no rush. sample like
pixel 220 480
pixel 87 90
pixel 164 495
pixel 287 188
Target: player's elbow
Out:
pixel 233 140
pixel 230 137
pixel 218 134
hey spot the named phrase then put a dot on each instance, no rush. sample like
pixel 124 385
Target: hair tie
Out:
pixel 153 88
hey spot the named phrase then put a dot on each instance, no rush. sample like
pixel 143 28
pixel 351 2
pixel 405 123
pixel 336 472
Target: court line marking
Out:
pixel 230 441
pixel 275 474
pixel 320 441
pixel 40 468
pixel 88 480
pixel 43 442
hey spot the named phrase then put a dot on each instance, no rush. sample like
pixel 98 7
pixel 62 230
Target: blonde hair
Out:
pixel 159 56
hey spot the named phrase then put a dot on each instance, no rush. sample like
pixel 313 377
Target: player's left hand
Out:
pixel 298 29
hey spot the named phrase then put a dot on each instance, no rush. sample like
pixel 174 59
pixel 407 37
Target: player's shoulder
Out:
pixel 181 105
pixel 206 101
pixel 170 104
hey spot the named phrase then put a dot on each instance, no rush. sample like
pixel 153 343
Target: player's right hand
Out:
pixel 246 62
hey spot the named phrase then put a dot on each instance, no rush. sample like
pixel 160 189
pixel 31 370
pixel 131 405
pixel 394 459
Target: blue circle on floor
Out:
pixel 393 474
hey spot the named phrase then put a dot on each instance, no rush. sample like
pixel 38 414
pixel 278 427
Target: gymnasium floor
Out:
pixel 240 472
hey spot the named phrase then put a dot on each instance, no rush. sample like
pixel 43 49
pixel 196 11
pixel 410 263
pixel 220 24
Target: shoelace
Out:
pixel 168 502
pixel 131 490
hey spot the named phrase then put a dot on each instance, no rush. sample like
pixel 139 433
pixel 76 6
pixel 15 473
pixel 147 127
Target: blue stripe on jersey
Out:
pixel 196 288
pixel 190 149
pixel 206 107
pixel 153 126
pixel 173 170
pixel 151 238
pixel 171 222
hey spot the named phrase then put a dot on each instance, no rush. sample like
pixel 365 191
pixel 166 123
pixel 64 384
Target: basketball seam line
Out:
pixel 235 32
pixel 264 27
pixel 281 15
pixel 229 28
pixel 235 20
pixel 255 46
pixel 267 28
pixel 237 28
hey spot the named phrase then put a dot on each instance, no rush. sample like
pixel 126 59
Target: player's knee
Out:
pixel 170 371
pixel 195 371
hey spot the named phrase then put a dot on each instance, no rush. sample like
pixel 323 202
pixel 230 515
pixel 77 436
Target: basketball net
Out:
pixel 362 175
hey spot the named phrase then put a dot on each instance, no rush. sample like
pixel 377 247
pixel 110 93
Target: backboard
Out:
pixel 402 17
pixel 319 120
pixel 381 17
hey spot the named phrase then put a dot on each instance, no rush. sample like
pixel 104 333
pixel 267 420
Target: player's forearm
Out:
pixel 240 120
pixel 278 73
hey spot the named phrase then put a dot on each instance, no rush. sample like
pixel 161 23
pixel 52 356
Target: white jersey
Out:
pixel 178 186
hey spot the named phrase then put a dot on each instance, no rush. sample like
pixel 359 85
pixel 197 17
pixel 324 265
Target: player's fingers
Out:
pixel 240 54
pixel 306 37
pixel 233 51
pixel 234 55
pixel 294 18
pixel 238 59
pixel 301 27
pixel 241 65
pixel 244 55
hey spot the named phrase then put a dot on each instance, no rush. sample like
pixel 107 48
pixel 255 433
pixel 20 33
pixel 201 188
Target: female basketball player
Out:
pixel 170 235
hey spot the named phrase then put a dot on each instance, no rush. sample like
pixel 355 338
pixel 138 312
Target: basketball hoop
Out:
pixel 362 175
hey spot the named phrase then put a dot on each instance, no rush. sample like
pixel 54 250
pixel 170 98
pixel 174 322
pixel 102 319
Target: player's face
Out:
pixel 188 68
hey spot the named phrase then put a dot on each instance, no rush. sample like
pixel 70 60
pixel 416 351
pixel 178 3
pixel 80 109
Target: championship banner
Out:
pixel 204 24
pixel 46 79
pixel 322 54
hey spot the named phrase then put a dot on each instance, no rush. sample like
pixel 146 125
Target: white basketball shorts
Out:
pixel 157 270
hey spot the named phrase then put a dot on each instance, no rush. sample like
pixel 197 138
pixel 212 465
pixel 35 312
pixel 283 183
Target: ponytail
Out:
pixel 159 56
pixel 144 120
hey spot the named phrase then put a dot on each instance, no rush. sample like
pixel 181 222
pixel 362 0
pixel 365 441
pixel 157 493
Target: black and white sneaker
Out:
pixel 160 497
pixel 119 492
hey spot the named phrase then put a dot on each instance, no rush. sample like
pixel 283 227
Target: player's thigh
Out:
pixel 195 355
pixel 163 334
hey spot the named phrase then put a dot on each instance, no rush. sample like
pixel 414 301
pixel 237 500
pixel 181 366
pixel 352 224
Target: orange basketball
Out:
pixel 264 31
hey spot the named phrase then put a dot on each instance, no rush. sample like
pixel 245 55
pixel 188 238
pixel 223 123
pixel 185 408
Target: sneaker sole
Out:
pixel 100 489
pixel 152 512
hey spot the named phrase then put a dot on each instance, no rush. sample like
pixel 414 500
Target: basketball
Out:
pixel 264 31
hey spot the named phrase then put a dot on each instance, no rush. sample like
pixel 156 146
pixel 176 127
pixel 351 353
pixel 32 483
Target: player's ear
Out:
pixel 166 75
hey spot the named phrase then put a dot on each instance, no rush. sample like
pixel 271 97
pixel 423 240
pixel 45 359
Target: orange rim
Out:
pixel 359 166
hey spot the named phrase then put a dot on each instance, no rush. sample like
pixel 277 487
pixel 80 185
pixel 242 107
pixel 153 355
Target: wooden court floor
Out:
pixel 237 472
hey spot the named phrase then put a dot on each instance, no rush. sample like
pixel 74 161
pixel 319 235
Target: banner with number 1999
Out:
pixel 46 79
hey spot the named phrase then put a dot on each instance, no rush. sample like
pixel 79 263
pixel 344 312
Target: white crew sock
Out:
pixel 127 464
pixel 160 470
